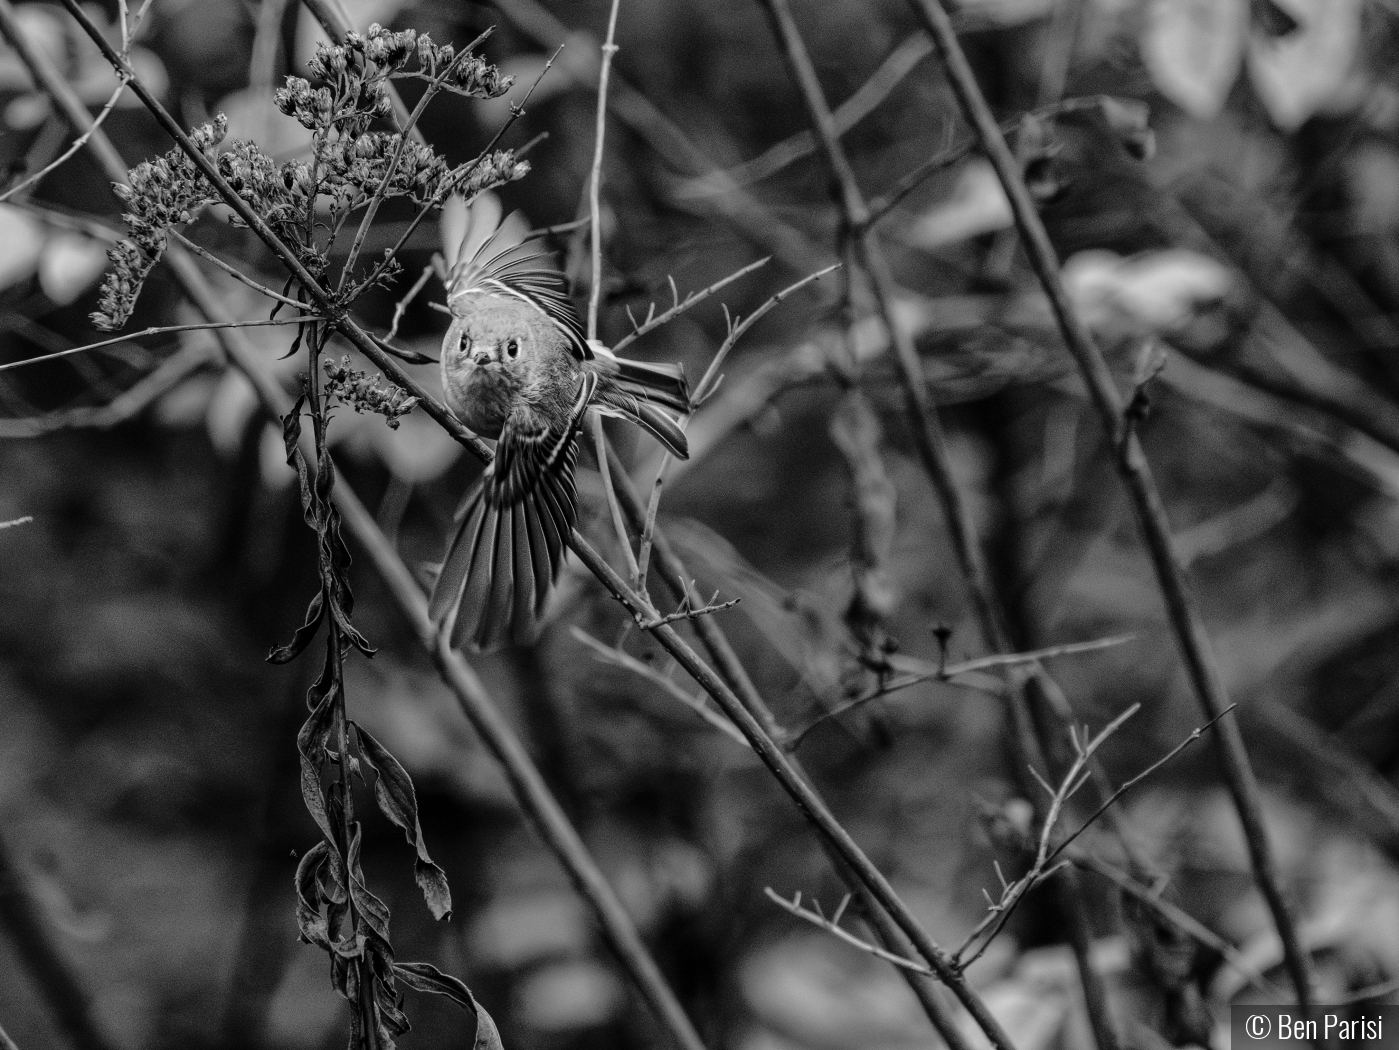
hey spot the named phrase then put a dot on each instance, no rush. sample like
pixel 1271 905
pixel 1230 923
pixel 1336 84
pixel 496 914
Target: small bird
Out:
pixel 517 367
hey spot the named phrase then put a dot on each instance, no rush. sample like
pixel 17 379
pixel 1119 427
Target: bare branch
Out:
pixel 157 330
pixel 1185 617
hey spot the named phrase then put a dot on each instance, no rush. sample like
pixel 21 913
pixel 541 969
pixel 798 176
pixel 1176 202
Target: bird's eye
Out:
pixel 465 343
pixel 512 348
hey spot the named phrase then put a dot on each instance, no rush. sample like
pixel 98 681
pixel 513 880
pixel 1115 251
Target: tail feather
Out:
pixel 644 414
pixel 662 383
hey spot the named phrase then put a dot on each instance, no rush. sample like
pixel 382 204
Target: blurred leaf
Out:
pixel 976 205
pixel 69 265
pixel 1155 292
pixel 1005 12
pixel 570 995
pixel 1311 69
pixel 1194 49
pixel 23 238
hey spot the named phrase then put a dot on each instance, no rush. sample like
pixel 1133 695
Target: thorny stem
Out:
pixel 1183 611
pixel 932 446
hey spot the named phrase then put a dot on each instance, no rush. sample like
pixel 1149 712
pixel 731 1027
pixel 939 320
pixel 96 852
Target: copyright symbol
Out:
pixel 1258 1026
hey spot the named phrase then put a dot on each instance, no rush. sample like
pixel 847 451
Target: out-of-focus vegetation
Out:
pixel 1240 267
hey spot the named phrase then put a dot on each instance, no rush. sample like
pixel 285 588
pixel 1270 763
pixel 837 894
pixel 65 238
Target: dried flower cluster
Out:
pixel 364 393
pixel 350 165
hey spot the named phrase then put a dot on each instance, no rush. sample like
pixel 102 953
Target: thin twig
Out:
pixel 402 306
pixel 126 405
pixel 623 540
pixel 689 614
pixel 648 531
pixel 902 61
pixel 6 1043
pixel 832 926
pixel 1174 916
pixel 1134 781
pixel 655 320
pixel 77 144
pixel 949 672
pixel 1183 611
pixel 157 330
pixel 237 274
pixel 708 382
pixel 609 48
pixel 618 658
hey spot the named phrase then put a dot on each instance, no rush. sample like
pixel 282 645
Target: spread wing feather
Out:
pixel 512 531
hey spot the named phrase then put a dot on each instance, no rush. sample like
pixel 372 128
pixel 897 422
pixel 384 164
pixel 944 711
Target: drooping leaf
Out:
pixel 424 977
pixel 393 790
pixel 1194 50
pixel 309 917
pixel 315 612
pixel 371 909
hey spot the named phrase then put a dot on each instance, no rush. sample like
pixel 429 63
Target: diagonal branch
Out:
pixel 1183 611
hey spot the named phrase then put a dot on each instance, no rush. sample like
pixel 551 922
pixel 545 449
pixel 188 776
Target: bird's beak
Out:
pixel 480 358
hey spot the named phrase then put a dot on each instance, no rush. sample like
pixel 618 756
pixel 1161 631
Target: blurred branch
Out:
pixel 174 370
pixel 748 217
pixel 77 144
pixel 867 98
pixel 6 1043
pixel 617 658
pixel 1183 611
pixel 23 919
pixel 1175 917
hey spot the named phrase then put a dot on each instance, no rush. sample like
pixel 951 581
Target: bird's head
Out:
pixel 488 332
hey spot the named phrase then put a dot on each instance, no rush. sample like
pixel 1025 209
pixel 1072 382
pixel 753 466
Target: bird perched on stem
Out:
pixel 517 367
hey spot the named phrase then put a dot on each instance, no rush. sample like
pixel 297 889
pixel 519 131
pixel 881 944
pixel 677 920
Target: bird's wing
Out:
pixel 512 529
pixel 516 271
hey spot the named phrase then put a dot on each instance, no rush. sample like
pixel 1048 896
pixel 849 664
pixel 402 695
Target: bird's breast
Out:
pixel 482 398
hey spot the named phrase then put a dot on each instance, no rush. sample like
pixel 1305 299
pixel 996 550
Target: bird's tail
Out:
pixel 664 384
pixel 502 562
pixel 615 399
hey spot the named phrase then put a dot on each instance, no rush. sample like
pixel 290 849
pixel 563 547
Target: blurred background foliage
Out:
pixel 147 762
